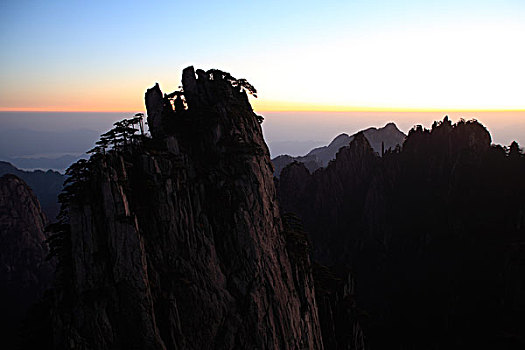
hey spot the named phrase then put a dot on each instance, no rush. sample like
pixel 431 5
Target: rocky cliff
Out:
pixel 329 200
pixel 46 185
pixel 177 242
pixel 24 271
pixel 433 233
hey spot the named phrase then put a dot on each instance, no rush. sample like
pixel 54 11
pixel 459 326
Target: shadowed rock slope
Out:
pixel 24 271
pixel 46 185
pixel 176 242
pixel 434 235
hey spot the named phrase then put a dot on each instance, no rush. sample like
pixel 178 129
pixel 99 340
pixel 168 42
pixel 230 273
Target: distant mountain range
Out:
pixel 45 184
pixel 17 144
pixel 60 163
pixel 388 137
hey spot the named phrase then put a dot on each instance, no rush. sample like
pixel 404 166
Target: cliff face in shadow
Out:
pixel 434 235
pixel 24 271
pixel 176 242
pixel 46 185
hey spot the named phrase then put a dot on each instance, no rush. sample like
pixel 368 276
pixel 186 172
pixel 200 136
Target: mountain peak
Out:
pixel 391 125
pixel 388 136
pixel 188 240
pixel 340 137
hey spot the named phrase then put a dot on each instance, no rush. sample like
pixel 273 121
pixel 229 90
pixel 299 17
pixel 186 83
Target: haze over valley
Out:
pixel 53 140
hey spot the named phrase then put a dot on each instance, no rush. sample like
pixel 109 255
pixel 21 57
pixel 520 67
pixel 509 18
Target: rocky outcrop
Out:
pixel 380 139
pixel 46 185
pixel 327 191
pixel 155 105
pixel 178 243
pixel 24 271
pixel 433 234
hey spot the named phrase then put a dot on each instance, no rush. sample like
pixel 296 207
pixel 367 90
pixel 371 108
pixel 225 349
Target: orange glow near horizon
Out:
pixel 281 106
pixel 268 106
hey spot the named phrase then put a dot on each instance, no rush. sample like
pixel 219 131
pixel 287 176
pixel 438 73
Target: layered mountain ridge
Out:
pixel 381 140
pixel 433 232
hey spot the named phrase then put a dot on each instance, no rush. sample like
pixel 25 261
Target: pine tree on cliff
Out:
pixel 121 135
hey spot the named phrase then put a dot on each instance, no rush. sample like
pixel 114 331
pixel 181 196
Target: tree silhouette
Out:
pixel 59 233
pixel 124 130
pixel 122 135
pixel 138 119
pixel 243 84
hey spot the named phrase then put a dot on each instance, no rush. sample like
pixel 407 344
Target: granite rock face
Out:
pixel 321 199
pixel 178 243
pixel 46 185
pixel 24 271
pixel 155 107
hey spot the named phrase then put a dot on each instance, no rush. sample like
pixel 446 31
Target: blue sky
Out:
pixel 89 55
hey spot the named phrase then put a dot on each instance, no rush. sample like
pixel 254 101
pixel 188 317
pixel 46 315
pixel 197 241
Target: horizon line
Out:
pixel 330 109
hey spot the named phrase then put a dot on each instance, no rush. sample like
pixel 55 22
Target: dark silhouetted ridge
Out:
pixel 433 233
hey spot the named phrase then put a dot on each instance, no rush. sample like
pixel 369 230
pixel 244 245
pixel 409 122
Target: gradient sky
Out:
pixel 301 55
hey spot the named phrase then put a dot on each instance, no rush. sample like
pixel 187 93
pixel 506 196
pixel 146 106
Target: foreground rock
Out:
pixel 177 242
